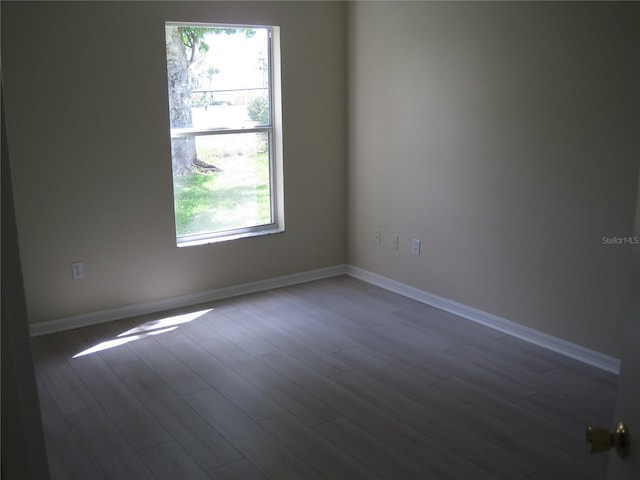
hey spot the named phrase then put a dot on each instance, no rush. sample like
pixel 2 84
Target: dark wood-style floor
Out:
pixel 332 379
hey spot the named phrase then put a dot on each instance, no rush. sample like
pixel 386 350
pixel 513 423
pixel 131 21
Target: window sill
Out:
pixel 226 238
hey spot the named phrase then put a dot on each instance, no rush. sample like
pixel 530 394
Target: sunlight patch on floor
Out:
pixel 166 322
pixel 153 327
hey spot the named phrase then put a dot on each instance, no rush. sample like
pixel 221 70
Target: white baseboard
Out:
pixel 563 347
pixel 111 314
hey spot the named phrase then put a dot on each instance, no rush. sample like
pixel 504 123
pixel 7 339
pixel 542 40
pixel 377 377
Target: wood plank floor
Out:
pixel 333 379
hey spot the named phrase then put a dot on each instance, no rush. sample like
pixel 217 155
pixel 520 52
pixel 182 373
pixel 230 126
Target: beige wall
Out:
pixel 505 137
pixel 88 134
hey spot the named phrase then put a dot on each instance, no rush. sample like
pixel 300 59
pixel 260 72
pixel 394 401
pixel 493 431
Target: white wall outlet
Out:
pixel 377 237
pixel 394 242
pixel 416 246
pixel 77 270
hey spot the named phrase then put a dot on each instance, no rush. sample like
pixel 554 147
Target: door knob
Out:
pixel 601 440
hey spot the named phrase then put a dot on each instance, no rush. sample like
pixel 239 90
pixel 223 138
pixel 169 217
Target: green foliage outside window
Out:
pixel 258 110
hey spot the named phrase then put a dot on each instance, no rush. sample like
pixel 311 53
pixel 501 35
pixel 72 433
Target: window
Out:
pixel 226 135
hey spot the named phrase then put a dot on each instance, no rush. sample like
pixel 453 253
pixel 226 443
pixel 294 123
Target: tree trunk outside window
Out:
pixel 183 150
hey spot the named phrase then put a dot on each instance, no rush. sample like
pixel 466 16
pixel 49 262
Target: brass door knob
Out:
pixel 601 440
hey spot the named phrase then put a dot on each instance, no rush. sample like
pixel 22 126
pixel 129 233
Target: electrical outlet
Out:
pixel 77 270
pixel 416 246
pixel 394 242
pixel 376 238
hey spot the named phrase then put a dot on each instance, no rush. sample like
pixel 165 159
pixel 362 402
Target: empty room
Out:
pixel 305 240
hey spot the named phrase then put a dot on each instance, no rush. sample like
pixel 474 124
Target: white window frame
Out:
pixel 274 132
